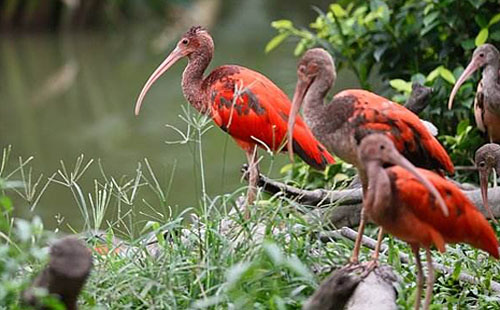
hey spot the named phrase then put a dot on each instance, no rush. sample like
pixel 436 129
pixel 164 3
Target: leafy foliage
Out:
pixel 399 42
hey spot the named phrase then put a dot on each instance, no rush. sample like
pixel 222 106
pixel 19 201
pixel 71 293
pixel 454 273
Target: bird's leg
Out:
pixel 361 229
pixel 378 245
pixel 430 279
pixel 357 244
pixel 420 277
pixel 372 264
pixel 253 179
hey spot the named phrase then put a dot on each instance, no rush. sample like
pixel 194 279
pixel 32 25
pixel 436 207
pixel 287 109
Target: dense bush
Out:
pixel 398 42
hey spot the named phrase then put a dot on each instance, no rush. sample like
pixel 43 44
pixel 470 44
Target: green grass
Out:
pixel 212 258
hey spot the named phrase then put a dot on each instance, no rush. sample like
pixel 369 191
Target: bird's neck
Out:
pixel 192 81
pixel 378 194
pixel 491 76
pixel 313 107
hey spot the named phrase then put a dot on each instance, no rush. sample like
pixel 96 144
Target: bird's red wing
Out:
pixel 373 113
pixel 464 223
pixel 253 110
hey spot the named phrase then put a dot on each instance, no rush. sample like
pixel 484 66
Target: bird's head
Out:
pixel 483 55
pixel 196 42
pixel 315 62
pixel 487 158
pixel 378 149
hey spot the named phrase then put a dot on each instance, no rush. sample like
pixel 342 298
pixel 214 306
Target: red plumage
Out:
pixel 254 111
pixel 418 219
pixel 373 113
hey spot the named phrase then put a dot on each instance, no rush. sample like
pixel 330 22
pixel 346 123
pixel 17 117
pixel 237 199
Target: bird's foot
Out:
pixel 369 267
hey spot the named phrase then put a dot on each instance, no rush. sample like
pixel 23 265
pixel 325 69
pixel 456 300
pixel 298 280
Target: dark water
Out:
pixel 70 94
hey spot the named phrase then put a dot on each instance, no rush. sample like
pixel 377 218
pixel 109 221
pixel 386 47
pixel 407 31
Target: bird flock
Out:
pixel 401 165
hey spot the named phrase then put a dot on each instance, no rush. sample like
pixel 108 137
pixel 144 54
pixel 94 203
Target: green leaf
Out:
pixel 495 36
pixel 447 75
pixel 495 19
pixel 274 253
pixel 468 44
pixel 433 75
pixel 482 37
pixel 6 203
pixel 337 10
pixel 401 85
pixel 457 270
pixel 430 18
pixel 282 24
pixel 277 40
pixel 481 21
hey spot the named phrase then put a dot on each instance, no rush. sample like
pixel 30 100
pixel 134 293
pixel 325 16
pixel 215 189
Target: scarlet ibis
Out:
pixel 406 207
pixel 487 100
pixel 242 102
pixel 355 113
pixel 487 158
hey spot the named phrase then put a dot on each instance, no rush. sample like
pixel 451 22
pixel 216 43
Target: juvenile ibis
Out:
pixel 242 102
pixel 402 205
pixel 353 114
pixel 487 159
pixel 487 100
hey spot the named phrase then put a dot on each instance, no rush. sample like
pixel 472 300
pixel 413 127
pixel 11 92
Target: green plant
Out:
pixel 399 42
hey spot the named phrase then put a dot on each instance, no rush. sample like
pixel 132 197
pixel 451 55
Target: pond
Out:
pixel 68 94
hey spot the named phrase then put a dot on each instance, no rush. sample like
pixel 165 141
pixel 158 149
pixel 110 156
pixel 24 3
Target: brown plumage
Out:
pixel 487 99
pixel 487 159
pixel 353 114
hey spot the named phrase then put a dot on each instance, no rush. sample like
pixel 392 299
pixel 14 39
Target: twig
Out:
pixel 346 232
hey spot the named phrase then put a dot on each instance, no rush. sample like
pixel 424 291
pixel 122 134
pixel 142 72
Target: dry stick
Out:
pixel 346 232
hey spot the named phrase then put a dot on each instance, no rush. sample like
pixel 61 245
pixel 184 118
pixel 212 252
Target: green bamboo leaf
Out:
pixel 447 75
pixel 277 40
pixel 495 19
pixel 482 37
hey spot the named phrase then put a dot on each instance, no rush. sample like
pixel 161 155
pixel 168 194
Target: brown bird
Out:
pixel 353 114
pixel 487 159
pixel 403 205
pixel 242 102
pixel 487 100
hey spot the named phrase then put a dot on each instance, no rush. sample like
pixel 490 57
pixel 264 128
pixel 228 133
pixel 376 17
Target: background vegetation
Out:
pixel 389 44
pixel 210 257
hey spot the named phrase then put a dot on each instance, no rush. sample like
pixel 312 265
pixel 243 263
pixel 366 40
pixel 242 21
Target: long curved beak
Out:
pixel 471 68
pixel 398 159
pixel 298 98
pixel 483 184
pixel 174 56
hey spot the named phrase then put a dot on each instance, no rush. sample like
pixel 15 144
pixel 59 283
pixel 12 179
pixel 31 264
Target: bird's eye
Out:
pixel 482 164
pixel 185 41
pixel 302 69
pixel 481 54
pixel 382 147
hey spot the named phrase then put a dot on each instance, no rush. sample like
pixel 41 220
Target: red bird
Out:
pixel 403 206
pixel 242 102
pixel 354 114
